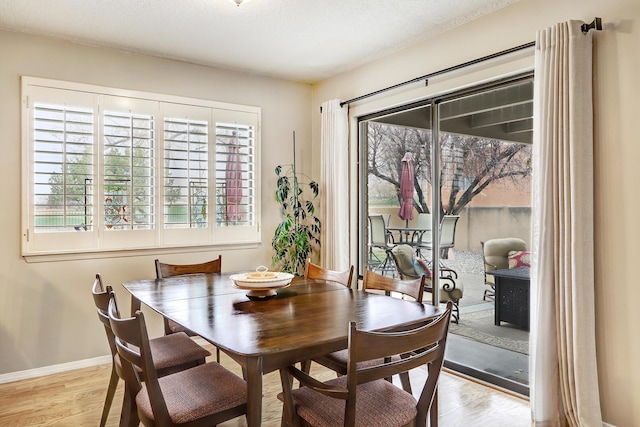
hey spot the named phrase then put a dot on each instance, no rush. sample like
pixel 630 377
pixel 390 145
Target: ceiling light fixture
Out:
pixel 239 2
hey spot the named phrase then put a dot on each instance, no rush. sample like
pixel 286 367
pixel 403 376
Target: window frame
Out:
pixel 95 242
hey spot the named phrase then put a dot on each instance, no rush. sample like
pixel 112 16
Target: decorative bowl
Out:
pixel 261 283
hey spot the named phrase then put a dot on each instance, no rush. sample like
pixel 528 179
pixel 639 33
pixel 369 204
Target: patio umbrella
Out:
pixel 233 177
pixel 406 189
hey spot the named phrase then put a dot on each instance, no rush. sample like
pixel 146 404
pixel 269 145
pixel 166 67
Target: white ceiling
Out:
pixel 301 40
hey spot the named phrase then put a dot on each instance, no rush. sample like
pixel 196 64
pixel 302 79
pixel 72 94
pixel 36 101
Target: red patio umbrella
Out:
pixel 233 177
pixel 406 189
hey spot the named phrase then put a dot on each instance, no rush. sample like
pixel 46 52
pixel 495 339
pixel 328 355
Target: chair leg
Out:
pixel 111 391
pixel 489 294
pixel 433 411
pixel 129 414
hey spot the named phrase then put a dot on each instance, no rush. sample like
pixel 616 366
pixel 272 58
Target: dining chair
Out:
pixel 204 395
pixel 338 360
pixel 170 354
pixel 169 270
pixel 363 396
pixel 314 271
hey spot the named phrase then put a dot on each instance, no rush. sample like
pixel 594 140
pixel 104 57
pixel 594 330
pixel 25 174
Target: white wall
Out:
pixel 46 310
pixel 617 150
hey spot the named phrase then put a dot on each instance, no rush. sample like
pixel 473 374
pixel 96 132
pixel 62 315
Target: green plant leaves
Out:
pixel 298 234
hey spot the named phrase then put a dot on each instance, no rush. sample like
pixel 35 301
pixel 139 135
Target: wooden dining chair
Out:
pixel 204 395
pixel 169 270
pixel 363 396
pixel 170 354
pixel 338 360
pixel 313 271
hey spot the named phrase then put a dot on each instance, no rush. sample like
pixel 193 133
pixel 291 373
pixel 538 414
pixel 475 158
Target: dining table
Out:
pixel 307 319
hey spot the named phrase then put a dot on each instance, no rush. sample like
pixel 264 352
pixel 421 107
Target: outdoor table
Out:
pixel 407 231
pixel 512 296
pixel 308 319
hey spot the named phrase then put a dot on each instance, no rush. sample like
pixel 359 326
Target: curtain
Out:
pixel 334 186
pixel 564 378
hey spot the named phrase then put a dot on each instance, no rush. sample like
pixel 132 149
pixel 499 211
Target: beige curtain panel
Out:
pixel 564 376
pixel 334 186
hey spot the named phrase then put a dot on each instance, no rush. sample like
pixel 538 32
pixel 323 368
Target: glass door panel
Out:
pixel 471 187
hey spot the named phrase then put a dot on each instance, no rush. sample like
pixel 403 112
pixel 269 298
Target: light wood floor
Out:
pixel 76 398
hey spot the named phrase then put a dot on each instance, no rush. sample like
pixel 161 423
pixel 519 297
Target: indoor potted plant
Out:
pixel 297 235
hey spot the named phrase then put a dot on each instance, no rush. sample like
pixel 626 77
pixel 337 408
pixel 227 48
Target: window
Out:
pixel 108 169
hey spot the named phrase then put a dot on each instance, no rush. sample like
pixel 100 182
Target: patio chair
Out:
pixel 410 267
pixel 379 238
pixel 422 238
pixel 379 402
pixel 495 253
pixel 447 237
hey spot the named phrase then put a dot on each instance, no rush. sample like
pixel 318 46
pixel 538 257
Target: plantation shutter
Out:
pixel 63 167
pixel 128 196
pixel 123 170
pixel 235 176
pixel 185 173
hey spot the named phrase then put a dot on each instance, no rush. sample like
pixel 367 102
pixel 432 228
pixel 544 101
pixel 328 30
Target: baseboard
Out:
pixel 53 369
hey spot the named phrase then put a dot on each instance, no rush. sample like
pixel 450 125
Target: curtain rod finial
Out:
pixel 596 24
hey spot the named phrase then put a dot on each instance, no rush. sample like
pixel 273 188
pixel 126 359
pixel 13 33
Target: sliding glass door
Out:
pixel 471 179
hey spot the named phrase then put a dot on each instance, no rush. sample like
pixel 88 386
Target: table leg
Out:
pixel 496 302
pixel 135 305
pixel 254 391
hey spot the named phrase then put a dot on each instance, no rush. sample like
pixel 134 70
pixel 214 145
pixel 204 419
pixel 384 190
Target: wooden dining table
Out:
pixel 307 319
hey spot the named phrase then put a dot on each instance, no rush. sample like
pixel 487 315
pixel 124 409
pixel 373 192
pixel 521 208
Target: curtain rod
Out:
pixel 595 24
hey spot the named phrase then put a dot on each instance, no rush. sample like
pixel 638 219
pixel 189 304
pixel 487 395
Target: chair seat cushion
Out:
pixel 171 353
pixel 175 349
pixel 378 403
pixel 341 357
pixel 448 291
pixel 197 393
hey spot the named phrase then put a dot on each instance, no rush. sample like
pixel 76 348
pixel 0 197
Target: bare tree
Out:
pixel 468 164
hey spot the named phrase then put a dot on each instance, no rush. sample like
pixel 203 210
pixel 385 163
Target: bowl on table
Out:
pixel 261 283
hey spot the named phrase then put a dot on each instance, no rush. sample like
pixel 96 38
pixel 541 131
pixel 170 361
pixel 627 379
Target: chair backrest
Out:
pixel 168 270
pixel 313 271
pixel 448 231
pixel 378 230
pixel 403 259
pixel 101 295
pixel 423 222
pixel 421 346
pixel 132 344
pixel 374 281
pixel 496 252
